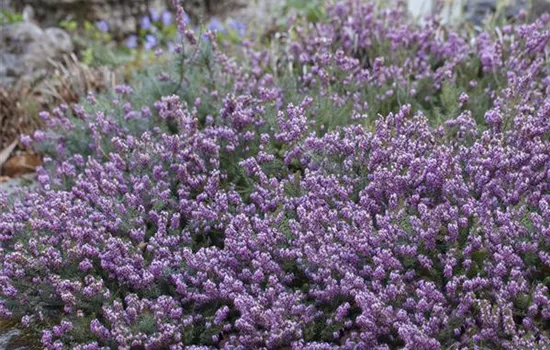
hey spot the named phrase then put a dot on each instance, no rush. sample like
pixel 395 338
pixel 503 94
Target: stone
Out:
pixel 60 38
pixel 476 11
pixel 539 7
pixel 13 186
pixel 25 49
pixel 122 16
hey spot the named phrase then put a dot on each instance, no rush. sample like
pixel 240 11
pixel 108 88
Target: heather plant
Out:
pixel 281 197
pixel 428 65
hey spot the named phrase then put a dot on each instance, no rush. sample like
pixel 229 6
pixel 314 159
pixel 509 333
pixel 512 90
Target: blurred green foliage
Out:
pixel 8 17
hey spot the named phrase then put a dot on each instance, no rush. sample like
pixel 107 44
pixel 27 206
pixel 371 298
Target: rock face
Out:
pixel 26 50
pixel 476 11
pixel 122 16
pixel 539 7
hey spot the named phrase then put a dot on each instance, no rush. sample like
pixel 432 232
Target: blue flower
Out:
pixel 166 18
pixel 216 24
pixel 155 16
pixel 150 42
pixel 132 42
pixel 102 26
pixel 239 27
pixel 145 23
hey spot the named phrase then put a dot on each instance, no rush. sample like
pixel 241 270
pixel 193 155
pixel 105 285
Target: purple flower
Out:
pixel 182 20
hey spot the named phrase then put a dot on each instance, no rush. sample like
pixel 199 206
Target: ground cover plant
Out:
pixel 360 182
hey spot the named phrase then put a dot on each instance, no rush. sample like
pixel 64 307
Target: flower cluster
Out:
pixel 240 214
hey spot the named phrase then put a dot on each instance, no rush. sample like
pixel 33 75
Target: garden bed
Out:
pixel 352 179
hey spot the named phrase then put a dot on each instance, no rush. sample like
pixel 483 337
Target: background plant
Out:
pixel 8 17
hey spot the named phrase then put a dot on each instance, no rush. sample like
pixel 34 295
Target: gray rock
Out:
pixel 122 16
pixel 7 337
pixel 539 7
pixel 9 65
pixel 26 49
pixel 23 183
pixel 20 33
pixel 6 5
pixel 60 39
pixel 477 11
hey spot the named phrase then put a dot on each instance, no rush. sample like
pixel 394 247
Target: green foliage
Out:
pixel 69 25
pixel 81 330
pixel 97 48
pixel 311 10
pixel 8 17
pixel 522 301
pixel 145 324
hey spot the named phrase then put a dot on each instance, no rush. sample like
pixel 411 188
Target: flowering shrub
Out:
pixel 238 212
